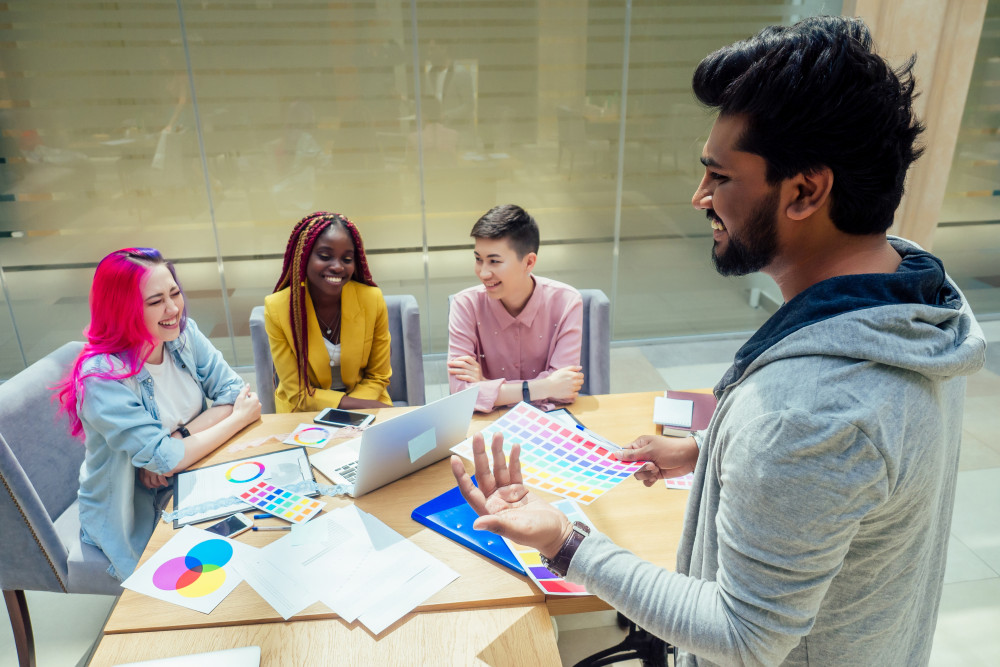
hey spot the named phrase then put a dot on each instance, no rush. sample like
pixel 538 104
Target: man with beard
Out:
pixel 817 526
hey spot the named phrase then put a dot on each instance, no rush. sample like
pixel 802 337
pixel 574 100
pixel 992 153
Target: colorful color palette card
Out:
pixel 531 560
pixel 683 482
pixel 195 569
pixel 283 504
pixel 311 435
pixel 555 457
pixel 201 492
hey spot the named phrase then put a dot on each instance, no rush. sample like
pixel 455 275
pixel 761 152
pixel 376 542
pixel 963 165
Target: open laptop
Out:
pixel 389 450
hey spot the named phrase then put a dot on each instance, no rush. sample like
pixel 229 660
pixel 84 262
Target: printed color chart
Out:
pixel 531 560
pixel 309 435
pixel 555 457
pixel 283 504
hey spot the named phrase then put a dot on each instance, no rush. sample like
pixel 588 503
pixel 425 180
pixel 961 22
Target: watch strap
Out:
pixel 525 393
pixel 184 432
pixel 560 564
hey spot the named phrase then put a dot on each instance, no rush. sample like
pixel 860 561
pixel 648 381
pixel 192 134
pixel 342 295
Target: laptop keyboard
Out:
pixel 349 471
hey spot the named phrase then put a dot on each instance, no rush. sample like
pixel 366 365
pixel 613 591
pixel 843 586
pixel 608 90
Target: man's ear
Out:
pixel 810 192
pixel 529 261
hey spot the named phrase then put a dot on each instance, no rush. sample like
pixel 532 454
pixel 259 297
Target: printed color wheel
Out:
pixel 245 472
pixel 311 436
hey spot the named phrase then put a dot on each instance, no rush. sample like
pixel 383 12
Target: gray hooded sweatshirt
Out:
pixel 817 526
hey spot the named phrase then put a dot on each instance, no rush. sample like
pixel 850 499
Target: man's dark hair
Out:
pixel 510 222
pixel 816 94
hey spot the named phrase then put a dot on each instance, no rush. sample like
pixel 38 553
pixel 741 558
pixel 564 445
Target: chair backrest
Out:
pixel 595 346
pixel 39 470
pixel 406 354
pixel 407 351
pixel 263 364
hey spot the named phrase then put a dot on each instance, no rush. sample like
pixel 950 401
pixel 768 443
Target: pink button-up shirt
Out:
pixel 544 337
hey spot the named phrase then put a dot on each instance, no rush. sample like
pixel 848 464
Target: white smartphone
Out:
pixel 338 417
pixel 231 526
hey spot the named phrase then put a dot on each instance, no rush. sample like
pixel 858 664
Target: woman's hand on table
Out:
pixel 246 408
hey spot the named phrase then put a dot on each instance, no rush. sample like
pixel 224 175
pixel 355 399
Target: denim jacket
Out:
pixel 123 432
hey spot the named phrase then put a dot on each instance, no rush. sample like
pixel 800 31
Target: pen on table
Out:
pixel 271 528
pixel 262 516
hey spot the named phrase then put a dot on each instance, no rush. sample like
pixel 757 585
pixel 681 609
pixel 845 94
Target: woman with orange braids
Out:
pixel 327 321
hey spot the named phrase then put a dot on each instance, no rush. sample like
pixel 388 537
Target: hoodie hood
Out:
pixel 914 319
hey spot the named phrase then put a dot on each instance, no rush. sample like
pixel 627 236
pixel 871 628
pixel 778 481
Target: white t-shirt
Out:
pixel 336 382
pixel 178 396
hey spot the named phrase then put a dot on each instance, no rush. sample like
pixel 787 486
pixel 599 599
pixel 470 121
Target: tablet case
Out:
pixel 451 516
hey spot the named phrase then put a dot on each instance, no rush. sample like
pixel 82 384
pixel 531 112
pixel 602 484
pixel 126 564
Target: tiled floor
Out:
pixel 66 626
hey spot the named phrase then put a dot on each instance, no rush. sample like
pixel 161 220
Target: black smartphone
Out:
pixel 338 417
pixel 231 525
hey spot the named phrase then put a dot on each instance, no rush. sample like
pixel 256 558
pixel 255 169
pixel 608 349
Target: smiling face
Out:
pixel 163 304
pixel 504 275
pixel 331 263
pixel 740 204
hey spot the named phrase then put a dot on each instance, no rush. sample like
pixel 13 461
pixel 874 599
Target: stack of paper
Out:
pixel 346 559
pixel 351 562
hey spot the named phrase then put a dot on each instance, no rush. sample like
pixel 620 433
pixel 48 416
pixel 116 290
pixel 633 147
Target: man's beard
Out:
pixel 758 243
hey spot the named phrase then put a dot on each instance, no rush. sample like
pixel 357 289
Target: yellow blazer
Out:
pixel 364 350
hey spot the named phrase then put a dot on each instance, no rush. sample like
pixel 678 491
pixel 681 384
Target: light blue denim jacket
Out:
pixel 123 433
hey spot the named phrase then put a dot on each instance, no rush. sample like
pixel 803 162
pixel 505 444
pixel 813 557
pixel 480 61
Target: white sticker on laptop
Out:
pixel 422 444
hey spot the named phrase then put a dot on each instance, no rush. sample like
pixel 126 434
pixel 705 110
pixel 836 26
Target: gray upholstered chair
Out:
pixel 406 356
pixel 40 549
pixel 595 348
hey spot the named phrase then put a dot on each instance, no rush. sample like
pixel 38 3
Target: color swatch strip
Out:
pixel 556 458
pixel 283 504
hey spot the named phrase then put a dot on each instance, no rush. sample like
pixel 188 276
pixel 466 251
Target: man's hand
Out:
pixel 466 369
pixel 665 457
pixel 563 384
pixel 504 505
pixel 152 480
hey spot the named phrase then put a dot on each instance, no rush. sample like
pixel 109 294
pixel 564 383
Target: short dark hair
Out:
pixel 817 95
pixel 510 222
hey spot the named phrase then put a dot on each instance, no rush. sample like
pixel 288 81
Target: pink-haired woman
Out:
pixel 138 396
pixel 327 321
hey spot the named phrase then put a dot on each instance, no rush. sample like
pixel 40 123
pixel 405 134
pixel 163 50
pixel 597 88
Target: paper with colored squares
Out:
pixel 195 569
pixel 282 503
pixel 568 461
pixel 531 560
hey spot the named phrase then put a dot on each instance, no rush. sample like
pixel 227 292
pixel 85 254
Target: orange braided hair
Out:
pixel 293 275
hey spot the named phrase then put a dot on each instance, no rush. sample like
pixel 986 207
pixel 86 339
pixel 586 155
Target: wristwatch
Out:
pixel 525 394
pixel 184 432
pixel 560 564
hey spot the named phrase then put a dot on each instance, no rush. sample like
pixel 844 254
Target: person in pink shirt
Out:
pixel 517 335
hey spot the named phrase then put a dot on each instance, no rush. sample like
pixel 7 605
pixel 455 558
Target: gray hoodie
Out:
pixel 817 526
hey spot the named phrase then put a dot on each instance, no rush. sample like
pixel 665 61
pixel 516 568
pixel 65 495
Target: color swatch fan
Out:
pixel 569 462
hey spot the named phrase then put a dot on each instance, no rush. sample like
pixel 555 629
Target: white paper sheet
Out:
pixel 376 576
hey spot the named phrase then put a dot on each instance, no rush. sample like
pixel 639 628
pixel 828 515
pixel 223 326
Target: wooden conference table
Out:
pixel 647 521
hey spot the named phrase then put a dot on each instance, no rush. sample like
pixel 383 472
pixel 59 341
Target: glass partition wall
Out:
pixel 207 129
